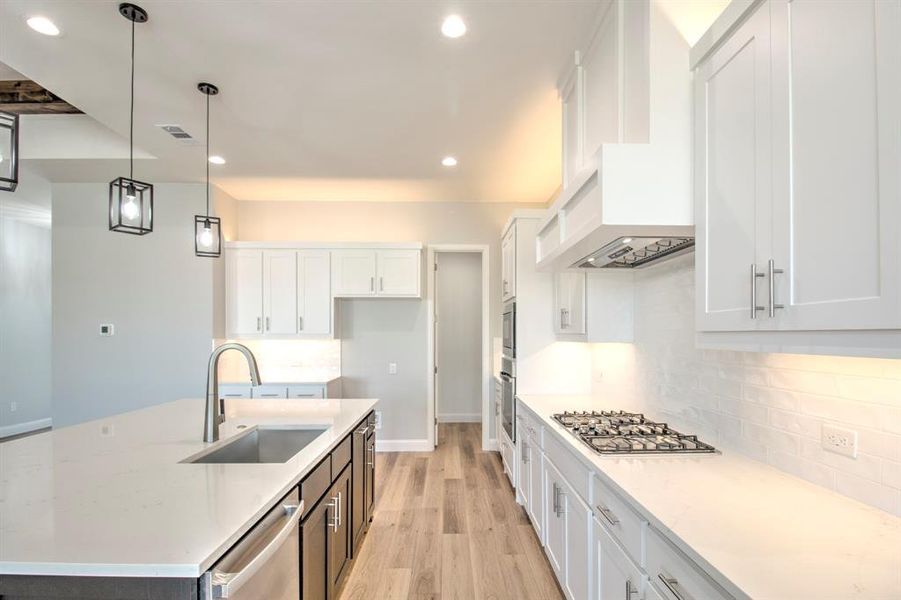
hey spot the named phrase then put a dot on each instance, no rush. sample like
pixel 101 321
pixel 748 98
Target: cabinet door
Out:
pixel 314 293
pixel 732 160
pixel 280 292
pixel 399 272
pixel 339 533
pixel 536 507
pixel 508 264
pixel 244 285
pixel 569 303
pixel 370 476
pixel 315 532
pixel 837 207
pixel 555 523
pixel 358 494
pixel 522 482
pixel 353 272
pixel 572 126
pixel 578 544
pixel 616 575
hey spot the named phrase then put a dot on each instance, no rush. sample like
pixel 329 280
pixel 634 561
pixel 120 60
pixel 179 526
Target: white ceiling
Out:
pixel 320 100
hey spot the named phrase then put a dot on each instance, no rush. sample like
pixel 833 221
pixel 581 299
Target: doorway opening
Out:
pixel 458 338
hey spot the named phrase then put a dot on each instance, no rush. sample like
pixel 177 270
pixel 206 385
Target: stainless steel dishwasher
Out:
pixel 265 563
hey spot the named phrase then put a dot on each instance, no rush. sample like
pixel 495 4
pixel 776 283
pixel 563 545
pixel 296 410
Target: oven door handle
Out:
pixel 506 378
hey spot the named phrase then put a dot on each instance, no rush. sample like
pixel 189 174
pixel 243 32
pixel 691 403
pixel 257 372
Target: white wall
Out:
pixel 403 396
pixel 25 306
pixel 770 407
pixel 459 340
pixel 152 288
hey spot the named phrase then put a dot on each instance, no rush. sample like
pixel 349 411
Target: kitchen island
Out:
pixel 111 501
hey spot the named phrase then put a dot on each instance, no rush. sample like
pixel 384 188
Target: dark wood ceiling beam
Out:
pixel 28 98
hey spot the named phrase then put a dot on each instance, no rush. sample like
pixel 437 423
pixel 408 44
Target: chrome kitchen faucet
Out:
pixel 212 416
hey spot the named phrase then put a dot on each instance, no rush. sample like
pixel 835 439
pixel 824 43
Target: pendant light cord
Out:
pixel 207 154
pixel 131 118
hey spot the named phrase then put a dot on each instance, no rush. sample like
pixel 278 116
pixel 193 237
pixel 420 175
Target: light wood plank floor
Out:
pixel 446 525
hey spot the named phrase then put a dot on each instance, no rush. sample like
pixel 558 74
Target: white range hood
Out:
pixel 627 200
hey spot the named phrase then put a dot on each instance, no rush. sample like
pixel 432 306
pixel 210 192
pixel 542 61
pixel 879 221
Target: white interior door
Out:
pixel 314 294
pixel 398 272
pixel 280 292
pixel 244 274
pixel 837 190
pixel 733 173
pixel 353 272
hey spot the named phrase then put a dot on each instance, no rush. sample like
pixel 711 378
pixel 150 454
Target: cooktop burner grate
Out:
pixel 618 432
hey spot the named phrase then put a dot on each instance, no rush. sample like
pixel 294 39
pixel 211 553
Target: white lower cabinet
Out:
pixel 616 576
pixel 568 534
pixel 535 507
pixel 675 576
pixel 507 455
pixel 523 485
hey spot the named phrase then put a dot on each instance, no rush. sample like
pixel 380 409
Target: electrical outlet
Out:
pixel 392 368
pixel 13 406
pixel 378 419
pixel 107 329
pixel 107 430
pixel 839 440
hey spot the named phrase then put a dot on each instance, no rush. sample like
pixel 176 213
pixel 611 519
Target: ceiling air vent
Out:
pixel 180 134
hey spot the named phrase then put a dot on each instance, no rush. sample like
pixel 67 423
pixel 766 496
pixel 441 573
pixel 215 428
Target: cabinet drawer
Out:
pixel 341 455
pixel 234 391
pixel 576 474
pixel 315 484
pixel 675 576
pixel 306 391
pixel 531 426
pixel 269 392
pixel 620 520
pixel 371 421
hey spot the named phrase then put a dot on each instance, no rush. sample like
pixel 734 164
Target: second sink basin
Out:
pixel 262 445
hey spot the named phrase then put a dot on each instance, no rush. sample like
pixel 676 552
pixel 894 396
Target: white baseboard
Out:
pixel 460 418
pixel 403 446
pixel 19 428
pixel 492 445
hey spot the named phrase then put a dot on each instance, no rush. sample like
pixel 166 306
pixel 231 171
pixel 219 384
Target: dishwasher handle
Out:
pixel 225 585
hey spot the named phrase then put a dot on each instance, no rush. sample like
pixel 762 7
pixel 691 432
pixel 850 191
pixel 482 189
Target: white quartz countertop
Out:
pixel 759 532
pixel 312 379
pixel 111 498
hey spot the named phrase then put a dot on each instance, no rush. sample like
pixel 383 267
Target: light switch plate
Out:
pixel 839 440
pixel 392 368
pixel 378 419
pixel 107 329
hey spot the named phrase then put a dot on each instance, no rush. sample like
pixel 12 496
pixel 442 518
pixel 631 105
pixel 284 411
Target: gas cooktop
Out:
pixel 618 432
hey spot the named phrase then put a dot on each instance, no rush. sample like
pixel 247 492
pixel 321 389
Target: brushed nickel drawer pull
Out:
pixel 608 515
pixel 672 584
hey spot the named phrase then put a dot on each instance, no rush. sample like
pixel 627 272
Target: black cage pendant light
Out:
pixel 207 228
pixel 131 201
pixel 9 152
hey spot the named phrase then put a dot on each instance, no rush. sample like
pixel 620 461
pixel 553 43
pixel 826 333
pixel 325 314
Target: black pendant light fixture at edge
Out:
pixel 131 201
pixel 207 228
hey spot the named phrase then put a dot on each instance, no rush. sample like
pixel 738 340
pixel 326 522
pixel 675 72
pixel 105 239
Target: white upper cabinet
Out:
pixel 314 296
pixel 570 98
pixel 353 273
pixel 244 291
pixel 399 272
pixel 837 188
pixel 508 264
pixel 569 303
pixel 279 292
pixel 732 174
pixel 386 273
pixel 798 193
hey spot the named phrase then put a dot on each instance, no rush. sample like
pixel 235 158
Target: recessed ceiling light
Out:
pixel 627 240
pixel 217 160
pixel 453 26
pixel 449 161
pixel 43 25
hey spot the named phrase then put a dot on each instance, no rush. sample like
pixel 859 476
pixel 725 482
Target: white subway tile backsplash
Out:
pixel 770 407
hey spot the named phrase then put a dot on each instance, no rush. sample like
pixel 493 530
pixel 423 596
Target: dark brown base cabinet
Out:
pixel 334 527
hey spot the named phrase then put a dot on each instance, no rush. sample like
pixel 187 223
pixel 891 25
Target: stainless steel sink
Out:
pixel 261 445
